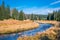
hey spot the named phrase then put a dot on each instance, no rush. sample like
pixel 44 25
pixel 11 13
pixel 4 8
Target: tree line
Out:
pixel 6 13
pixel 54 16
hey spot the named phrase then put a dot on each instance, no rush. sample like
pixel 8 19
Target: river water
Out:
pixel 41 28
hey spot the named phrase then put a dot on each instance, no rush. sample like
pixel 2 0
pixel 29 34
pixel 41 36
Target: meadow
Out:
pixel 14 26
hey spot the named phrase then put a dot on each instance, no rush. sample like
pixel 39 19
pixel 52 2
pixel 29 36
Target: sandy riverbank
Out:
pixel 12 26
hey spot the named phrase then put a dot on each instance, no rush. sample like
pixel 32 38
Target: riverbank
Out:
pixel 52 33
pixel 14 26
pixel 47 21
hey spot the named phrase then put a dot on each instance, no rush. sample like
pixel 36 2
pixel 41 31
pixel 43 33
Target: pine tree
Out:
pixel 15 13
pixel 7 12
pixel 1 14
pixel 32 16
pixel 54 16
pixel 3 10
pixel 21 15
pixel 58 15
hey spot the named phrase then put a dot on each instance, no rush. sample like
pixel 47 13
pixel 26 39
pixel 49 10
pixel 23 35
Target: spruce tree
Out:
pixel 15 13
pixel 21 15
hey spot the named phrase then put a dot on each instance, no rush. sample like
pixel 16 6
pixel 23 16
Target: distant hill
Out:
pixel 35 16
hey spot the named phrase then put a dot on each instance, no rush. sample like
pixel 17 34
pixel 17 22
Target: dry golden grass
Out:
pixel 48 21
pixel 11 26
pixel 52 33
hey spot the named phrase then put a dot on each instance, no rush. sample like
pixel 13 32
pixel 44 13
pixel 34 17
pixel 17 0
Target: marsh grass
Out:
pixel 15 26
pixel 52 33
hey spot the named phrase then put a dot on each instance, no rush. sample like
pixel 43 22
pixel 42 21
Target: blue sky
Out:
pixel 34 6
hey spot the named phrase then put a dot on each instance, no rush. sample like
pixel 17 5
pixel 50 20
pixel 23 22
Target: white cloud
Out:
pixel 55 2
pixel 42 10
pixel 36 10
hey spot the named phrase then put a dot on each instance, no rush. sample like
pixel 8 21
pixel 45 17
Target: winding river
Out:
pixel 41 28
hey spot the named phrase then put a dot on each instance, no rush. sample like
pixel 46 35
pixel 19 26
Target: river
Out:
pixel 41 28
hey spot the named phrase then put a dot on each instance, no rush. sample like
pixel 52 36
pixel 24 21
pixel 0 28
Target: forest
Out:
pixel 7 13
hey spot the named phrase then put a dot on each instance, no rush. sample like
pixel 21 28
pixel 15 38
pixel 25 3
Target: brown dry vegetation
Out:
pixel 47 21
pixel 52 33
pixel 11 26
